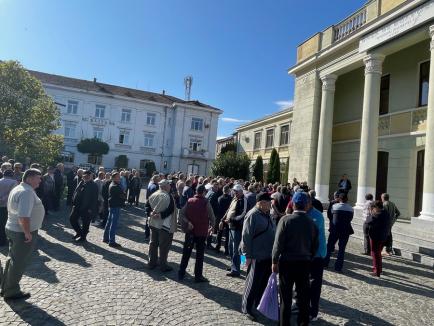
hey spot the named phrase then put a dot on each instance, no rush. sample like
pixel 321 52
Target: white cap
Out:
pixel 237 187
pixel 208 186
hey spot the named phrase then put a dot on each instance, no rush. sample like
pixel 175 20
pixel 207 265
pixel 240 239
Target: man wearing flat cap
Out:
pixel 162 222
pixel 84 206
pixel 295 245
pixel 257 245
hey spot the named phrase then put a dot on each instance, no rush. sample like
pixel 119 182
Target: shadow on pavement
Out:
pixel 61 253
pixel 32 314
pixel 38 269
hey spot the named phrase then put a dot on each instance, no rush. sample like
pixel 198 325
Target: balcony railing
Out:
pixel 350 25
pixel 194 154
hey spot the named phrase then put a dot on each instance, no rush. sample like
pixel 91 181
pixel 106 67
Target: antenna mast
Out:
pixel 188 81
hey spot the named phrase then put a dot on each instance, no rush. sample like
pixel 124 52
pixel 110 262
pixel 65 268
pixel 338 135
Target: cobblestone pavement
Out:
pixel 94 284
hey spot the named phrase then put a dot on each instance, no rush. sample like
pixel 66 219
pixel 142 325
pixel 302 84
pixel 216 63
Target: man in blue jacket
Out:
pixel 340 230
pixel 317 265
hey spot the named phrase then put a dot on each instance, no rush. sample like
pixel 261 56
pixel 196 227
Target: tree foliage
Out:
pixel 274 167
pixel 232 165
pixel 121 162
pixel 150 168
pixel 258 169
pixel 229 147
pixel 93 146
pixel 28 117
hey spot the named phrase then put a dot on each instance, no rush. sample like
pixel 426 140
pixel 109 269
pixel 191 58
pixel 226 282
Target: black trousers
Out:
pixel 190 241
pixel 83 229
pixel 290 273
pixel 389 242
pixel 3 220
pixel 258 274
pixel 316 274
pixel 366 239
pixel 342 240
pixel 56 199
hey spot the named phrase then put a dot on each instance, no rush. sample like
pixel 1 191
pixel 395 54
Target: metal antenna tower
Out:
pixel 188 81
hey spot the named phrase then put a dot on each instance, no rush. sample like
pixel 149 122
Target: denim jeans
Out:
pixel 111 225
pixel 342 240
pixel 234 252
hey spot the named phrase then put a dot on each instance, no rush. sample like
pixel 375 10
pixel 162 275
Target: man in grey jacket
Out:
pixel 257 244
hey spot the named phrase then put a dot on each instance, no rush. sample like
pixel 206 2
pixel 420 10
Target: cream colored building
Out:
pixel 363 106
pixel 259 137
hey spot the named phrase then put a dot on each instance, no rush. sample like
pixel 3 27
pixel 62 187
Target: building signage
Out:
pixel 399 26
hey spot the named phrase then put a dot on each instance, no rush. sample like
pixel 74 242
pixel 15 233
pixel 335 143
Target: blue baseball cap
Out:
pixel 300 199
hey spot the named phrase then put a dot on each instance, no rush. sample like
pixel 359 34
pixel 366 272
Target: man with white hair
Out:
pixel 163 225
pixel 235 218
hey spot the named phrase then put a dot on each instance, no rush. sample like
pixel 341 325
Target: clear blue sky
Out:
pixel 238 51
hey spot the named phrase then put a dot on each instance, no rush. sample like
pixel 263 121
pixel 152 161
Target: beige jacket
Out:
pixel 159 202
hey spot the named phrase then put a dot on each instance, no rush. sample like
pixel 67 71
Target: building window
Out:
pixel 270 138
pixel 150 119
pixel 100 111
pixel 196 124
pixel 68 157
pixel 94 159
pixel 384 94
pixel 423 83
pixel 126 115
pixel 69 130
pixel 72 107
pixel 124 137
pixel 195 144
pixel 257 141
pixel 284 135
pixel 97 133
pixel 149 140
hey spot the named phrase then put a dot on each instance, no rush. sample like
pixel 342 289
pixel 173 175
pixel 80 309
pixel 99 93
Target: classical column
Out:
pixel 428 170
pixel 369 136
pixel 324 152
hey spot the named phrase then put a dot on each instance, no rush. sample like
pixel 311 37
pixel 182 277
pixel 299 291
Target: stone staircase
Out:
pixel 409 242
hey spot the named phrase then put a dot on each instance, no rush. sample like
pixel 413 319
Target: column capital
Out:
pixel 328 82
pixel 431 33
pixel 374 63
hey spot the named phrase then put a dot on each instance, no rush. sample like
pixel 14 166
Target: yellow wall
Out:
pixel 387 5
pixel 308 48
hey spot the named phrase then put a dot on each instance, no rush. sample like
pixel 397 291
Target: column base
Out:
pixel 322 193
pixel 361 193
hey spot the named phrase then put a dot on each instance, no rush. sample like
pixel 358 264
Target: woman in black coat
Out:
pixel 378 230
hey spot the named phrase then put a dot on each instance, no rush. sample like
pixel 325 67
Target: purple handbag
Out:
pixel 269 305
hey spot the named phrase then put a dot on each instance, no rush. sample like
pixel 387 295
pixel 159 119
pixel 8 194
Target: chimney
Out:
pixel 164 92
pixel 94 80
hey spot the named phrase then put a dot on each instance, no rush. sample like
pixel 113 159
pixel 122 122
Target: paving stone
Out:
pixel 93 284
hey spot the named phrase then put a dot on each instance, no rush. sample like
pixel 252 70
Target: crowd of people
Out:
pixel 276 228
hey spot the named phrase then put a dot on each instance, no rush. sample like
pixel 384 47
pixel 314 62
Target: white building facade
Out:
pixel 176 135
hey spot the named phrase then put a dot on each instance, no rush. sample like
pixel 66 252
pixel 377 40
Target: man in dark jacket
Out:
pixel 199 216
pixel 257 245
pixel 340 230
pixel 70 175
pixel 295 245
pixel 235 218
pixel 378 228
pixel 105 197
pixel 84 206
pixel 344 185
pixel 212 197
pixel 224 202
pixel 116 200
pixel 187 193
pixel 58 185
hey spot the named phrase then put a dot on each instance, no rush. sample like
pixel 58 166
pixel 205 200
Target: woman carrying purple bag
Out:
pixel 257 244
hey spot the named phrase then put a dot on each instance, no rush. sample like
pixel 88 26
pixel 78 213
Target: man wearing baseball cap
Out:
pixel 257 244
pixel 235 218
pixel 295 245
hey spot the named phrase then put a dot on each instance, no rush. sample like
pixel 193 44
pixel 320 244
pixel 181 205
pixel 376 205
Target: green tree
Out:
pixel 258 169
pixel 232 165
pixel 270 174
pixel 230 147
pixel 121 162
pixel 276 168
pixel 28 117
pixel 93 146
pixel 284 174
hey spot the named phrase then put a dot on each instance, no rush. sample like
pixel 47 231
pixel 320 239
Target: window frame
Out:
pixel 153 117
pixel 272 138
pixel 149 136
pixel 98 130
pixel 100 108
pixel 126 113
pixel 126 136
pixel 420 84
pixel 197 122
pixel 71 106
pixel 198 142
pixel 257 146
pixel 287 135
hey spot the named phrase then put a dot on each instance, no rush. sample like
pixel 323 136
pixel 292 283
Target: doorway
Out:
pixel 382 170
pixel 419 182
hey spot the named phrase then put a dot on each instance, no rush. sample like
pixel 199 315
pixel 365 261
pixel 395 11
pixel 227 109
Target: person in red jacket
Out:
pixel 198 215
